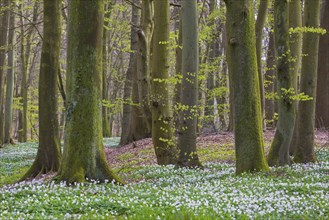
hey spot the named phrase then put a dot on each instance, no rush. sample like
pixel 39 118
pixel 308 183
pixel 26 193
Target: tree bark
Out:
pixel 306 109
pixel 143 61
pixel 25 57
pixel 189 91
pixel 10 82
pixel 128 86
pixel 295 21
pixel 242 63
pixel 279 151
pixel 84 158
pixel 260 22
pixel 270 78
pixel 178 63
pixel 49 151
pixel 3 49
pixel 105 114
pixel 322 94
pixel 162 137
pixel 208 124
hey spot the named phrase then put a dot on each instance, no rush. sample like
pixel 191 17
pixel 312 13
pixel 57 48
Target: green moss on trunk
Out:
pixel 242 61
pixel 84 157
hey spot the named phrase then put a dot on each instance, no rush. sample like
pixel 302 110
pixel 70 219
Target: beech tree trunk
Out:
pixel 242 63
pixel 260 22
pixel 189 91
pixel 279 151
pixel 295 21
pixel 105 113
pixel 10 82
pixel 128 85
pixel 84 158
pixel 322 94
pixel 270 78
pixel 163 140
pixel 3 49
pixel 49 151
pixel 306 109
pixel 25 57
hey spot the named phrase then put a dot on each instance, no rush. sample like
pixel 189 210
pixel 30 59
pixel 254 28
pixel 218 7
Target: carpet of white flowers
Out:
pixel 296 192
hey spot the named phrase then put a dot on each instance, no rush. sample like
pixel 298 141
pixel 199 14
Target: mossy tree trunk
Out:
pixel 322 94
pixel 49 153
pixel 242 61
pixel 260 22
pixel 306 109
pixel 3 48
pixel 10 82
pixel 189 90
pixel 295 21
pixel 279 151
pixel 84 157
pixel 163 141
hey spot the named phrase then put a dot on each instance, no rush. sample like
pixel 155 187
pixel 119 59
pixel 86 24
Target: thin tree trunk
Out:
pixel 260 22
pixel 143 61
pixel 306 109
pixel 270 78
pixel 178 63
pixel 295 21
pixel 127 112
pixel 25 57
pixel 3 48
pixel 105 116
pixel 10 82
pixel 208 124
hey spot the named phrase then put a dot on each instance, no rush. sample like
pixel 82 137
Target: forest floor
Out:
pixel 299 191
pixel 214 148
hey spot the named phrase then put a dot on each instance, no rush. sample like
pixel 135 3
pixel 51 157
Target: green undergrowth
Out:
pixel 217 153
pixel 299 191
